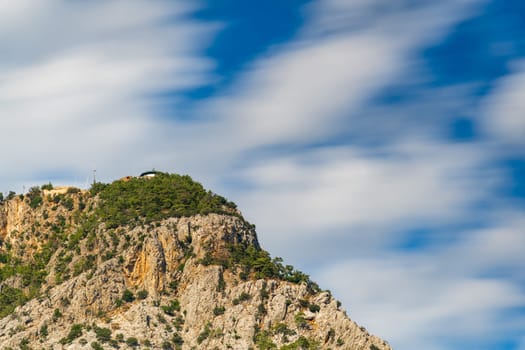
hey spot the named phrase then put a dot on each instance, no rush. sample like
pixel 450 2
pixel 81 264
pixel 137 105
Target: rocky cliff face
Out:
pixel 187 282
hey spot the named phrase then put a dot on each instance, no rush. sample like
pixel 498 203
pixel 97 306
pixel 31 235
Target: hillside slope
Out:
pixel 154 263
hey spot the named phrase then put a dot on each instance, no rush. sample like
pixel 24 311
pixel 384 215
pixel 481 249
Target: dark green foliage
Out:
pixel 97 187
pixel 142 294
pixel 132 341
pixel 11 195
pixel 171 308
pixel 264 292
pixel 102 334
pixel 35 198
pixel 301 344
pixel 177 339
pixel 68 203
pixel 221 285
pixel 47 186
pixel 56 314
pixel 178 323
pixel 24 344
pixel 314 308
pixel 262 265
pixel 10 298
pixel 128 296
pixel 166 345
pixel 282 328
pixel 261 310
pixel 301 321
pixel 373 347
pixel 43 331
pixel 219 310
pixel 330 335
pixel 83 264
pixel 163 196
pixel 96 346
pixel 264 341
pixel 204 334
pixel 74 332
pixel 71 190
pixel 244 296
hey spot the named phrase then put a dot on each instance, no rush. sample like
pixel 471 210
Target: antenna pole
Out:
pixel 94 176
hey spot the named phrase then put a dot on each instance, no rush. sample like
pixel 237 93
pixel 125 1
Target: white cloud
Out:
pixel 76 84
pixel 430 298
pixel 407 185
pixel 303 91
pixel 397 16
pixel 504 118
pixel 496 250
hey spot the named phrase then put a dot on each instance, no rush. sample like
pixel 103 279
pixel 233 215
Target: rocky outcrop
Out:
pixel 148 286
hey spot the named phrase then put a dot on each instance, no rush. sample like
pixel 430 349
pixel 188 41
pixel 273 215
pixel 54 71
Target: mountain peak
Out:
pixel 157 262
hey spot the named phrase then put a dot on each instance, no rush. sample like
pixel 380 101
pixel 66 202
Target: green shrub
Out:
pixel 132 341
pixel 68 204
pixel 103 334
pixel 301 344
pixel 127 296
pixel 24 344
pixel 177 339
pixel 43 331
pixel 74 332
pixel 47 186
pixel 173 285
pixel 282 328
pixel 219 310
pixel 10 298
pixel 261 310
pixel 300 321
pixel 264 341
pixel 56 314
pixel 96 346
pixel 142 294
pixel 204 334
pixel 314 308
pixel 166 345
pixel 244 296
pixel 171 308
pixel 35 198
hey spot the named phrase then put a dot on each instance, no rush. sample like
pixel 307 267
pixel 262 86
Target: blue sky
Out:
pixel 377 145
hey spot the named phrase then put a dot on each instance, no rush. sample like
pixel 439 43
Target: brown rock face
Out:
pixel 163 285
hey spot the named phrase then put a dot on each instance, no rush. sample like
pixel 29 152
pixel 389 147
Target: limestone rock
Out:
pixel 185 291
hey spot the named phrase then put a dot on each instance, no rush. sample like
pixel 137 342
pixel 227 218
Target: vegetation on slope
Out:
pixel 257 263
pixel 144 200
pixel 66 237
